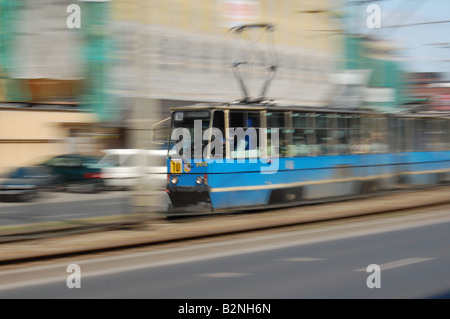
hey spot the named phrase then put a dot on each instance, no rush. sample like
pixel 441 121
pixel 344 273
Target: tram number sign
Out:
pixel 176 166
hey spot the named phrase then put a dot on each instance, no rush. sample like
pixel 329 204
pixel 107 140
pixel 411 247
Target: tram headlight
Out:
pixel 199 180
pixel 174 180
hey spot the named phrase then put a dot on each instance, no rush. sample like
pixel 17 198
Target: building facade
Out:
pixel 131 60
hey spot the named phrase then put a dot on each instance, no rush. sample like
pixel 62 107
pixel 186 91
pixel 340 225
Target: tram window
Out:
pixel 380 124
pixel 432 135
pixel 343 121
pixel 409 134
pixel 276 120
pixel 219 120
pixel 237 119
pixel 245 119
pixel 439 143
pixel 322 141
pixel 366 122
pixel 419 136
pixel 427 133
pixel 218 123
pixel 246 140
pixel 254 119
pixel 343 134
pixel 333 147
pixel 321 121
pixel 326 137
pixel 365 132
pixel 366 126
pixel 300 146
pixel 325 121
pixel 447 135
pixel 303 139
pixel 392 134
pixel 442 138
pixel 400 136
pixel 299 120
pixel 355 122
pixel 189 121
pixel 379 136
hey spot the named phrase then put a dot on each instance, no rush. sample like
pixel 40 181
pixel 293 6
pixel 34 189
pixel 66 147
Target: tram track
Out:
pixel 79 244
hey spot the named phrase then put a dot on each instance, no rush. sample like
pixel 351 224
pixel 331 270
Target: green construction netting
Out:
pixel 12 89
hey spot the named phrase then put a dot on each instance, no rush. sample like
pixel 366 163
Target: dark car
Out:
pixel 77 172
pixel 24 183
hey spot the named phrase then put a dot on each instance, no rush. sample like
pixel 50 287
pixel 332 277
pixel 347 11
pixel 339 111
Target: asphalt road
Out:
pixel 311 262
pixel 56 206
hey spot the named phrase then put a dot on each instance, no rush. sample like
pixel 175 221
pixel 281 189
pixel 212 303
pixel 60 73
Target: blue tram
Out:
pixel 242 156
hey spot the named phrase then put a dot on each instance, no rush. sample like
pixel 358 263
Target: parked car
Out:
pixel 126 168
pixel 78 172
pixel 25 183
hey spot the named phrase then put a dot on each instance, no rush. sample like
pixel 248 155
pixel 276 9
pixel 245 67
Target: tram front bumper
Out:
pixel 189 199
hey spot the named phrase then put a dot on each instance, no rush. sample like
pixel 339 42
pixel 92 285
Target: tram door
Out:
pixel 218 135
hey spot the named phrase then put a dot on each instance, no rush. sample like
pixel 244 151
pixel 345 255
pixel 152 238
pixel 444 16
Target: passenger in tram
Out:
pixel 378 145
pixel 328 146
pixel 362 146
pixel 300 148
pixel 433 144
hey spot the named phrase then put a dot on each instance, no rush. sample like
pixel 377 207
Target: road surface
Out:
pixel 52 207
pixel 308 262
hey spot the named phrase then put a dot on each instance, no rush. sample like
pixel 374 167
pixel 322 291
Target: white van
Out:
pixel 133 167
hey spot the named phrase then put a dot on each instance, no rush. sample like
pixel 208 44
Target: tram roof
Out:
pixel 269 106
pixel 302 108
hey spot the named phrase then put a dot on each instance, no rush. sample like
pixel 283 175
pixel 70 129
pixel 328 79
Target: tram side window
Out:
pixel 367 130
pixel 344 133
pixel 435 135
pixel 379 142
pixel 355 134
pixel 400 135
pixel 429 135
pixel 326 138
pixel 338 134
pixel 441 124
pixel 445 141
pixel 447 134
pixel 404 129
pixel 362 143
pixel 392 134
pixel 244 129
pixel 409 134
pixel 276 120
pixel 419 135
pixel 303 135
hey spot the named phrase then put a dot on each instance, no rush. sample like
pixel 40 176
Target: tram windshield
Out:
pixel 187 130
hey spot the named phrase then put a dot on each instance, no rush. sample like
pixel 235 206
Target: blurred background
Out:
pixel 97 78
pixel 105 84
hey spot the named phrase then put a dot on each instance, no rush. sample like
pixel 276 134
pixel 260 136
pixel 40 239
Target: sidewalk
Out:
pixel 157 230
